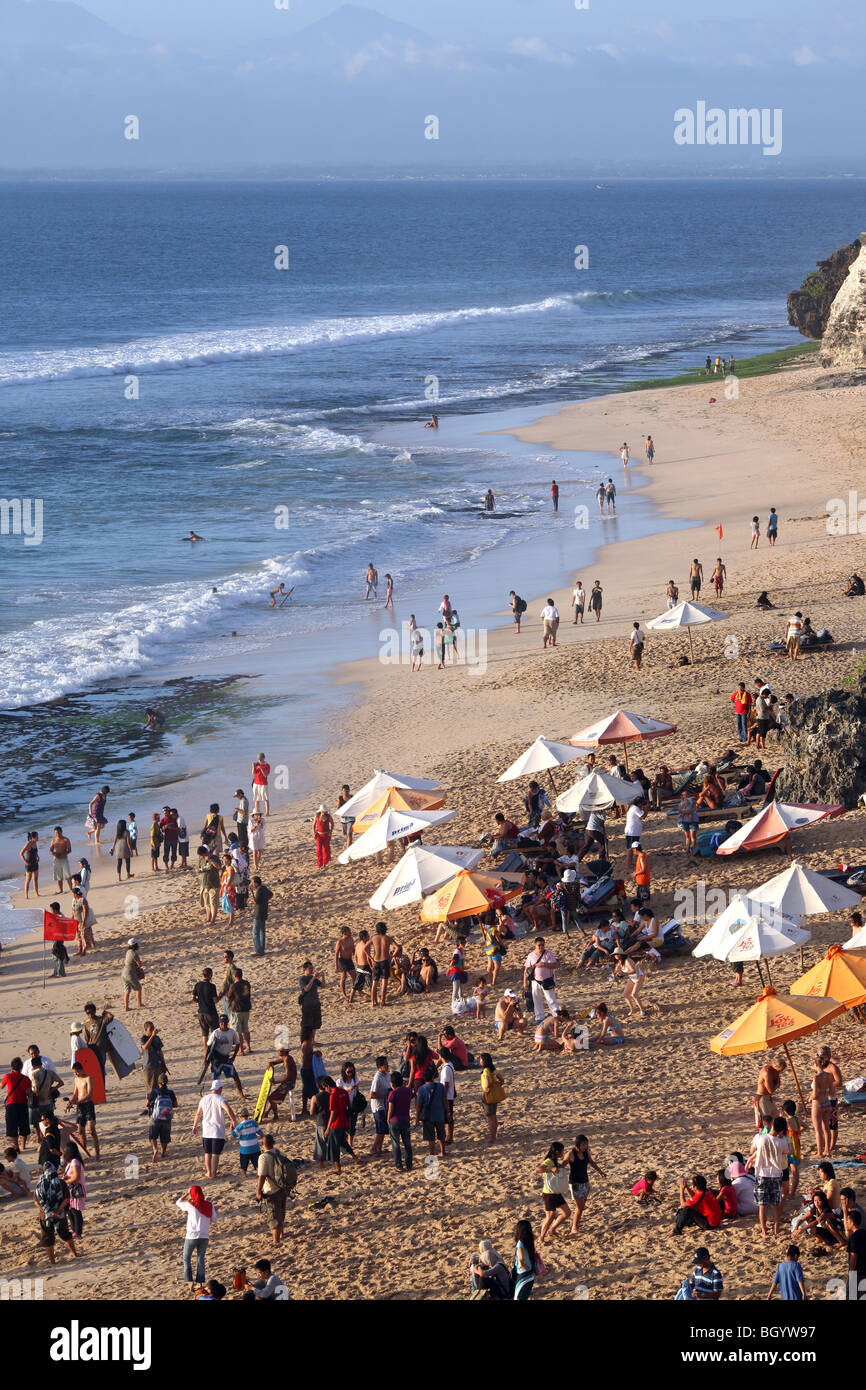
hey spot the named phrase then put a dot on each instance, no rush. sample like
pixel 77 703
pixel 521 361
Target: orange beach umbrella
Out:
pixel 398 799
pixel 622 727
pixel 469 893
pixel 774 823
pixel 774 1020
pixel 841 976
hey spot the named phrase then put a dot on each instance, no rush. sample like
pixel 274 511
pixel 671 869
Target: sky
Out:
pixel 522 86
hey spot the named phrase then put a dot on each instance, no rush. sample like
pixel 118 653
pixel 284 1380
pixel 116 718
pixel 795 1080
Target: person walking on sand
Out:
pixel 649 449
pixel 595 600
pixel 696 578
pixel 260 774
pixel 344 961
pixel 60 849
pixel 580 1160
pixel 549 620
pixel 211 1114
pixel 756 533
pixel 610 495
pixel 554 1173
pixel 578 601
pixel 121 848
pixel 323 829
pixel 554 495
pixel 200 1216
pixel 51 1199
pixel 823 1095
pixel 625 455
pixel 600 495
pixel 85 1110
pixel 371 581
pixel 29 857
pixel 389 592
pixel 132 974
pixel 636 645
pixel 96 815
pixel 720 575
pixel 518 608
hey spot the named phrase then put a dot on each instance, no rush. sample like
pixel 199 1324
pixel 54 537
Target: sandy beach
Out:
pixel 663 1100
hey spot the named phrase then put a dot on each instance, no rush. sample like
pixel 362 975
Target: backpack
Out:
pixel 285 1173
pixel 161 1109
pixel 520 605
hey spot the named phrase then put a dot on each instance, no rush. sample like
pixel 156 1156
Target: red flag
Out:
pixel 720 531
pixel 57 928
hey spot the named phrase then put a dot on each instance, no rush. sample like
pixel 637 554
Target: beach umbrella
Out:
pixel 739 911
pixel 467 894
pixel 421 870
pixel 759 939
pixel 840 975
pixel 774 1021
pixel 393 825
pixel 774 823
pixel 396 799
pixel 541 756
pixel 687 615
pixel 598 792
pixel 857 941
pixel 801 892
pixel 622 727
pixel 379 783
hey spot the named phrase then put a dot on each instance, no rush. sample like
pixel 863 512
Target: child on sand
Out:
pixel 644 1190
pixel 480 993
pixel 726 1195
pixel 789 1112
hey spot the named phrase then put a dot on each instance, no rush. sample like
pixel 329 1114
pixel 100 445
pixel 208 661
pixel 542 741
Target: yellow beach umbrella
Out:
pixel 774 1020
pixel 397 799
pixel 841 975
pixel 466 895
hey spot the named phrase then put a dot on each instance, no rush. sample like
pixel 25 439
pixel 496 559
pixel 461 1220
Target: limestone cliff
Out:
pixel 825 751
pixel 809 306
pixel 844 341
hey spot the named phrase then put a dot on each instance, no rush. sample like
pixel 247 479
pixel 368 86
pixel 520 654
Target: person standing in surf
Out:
pixel 96 815
pixel 554 494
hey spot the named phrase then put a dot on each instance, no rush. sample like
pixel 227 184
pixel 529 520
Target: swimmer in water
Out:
pixel 489 500
pixel 154 720
pixel 191 537
pixel 432 423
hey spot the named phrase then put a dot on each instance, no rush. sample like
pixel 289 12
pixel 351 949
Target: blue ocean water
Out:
pixel 158 372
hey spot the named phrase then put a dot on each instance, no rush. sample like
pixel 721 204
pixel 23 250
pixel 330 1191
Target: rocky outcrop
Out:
pixel 844 341
pixel 809 306
pixel 825 755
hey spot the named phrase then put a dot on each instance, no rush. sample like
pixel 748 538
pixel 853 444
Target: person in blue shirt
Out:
pixel 431 1111
pixel 772 526
pixel 249 1134
pixel 789 1278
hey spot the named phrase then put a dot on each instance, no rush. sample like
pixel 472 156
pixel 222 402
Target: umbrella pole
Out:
pixel 691 646
pixel 625 755
pixel 794 1074
pixel 552 782
pixel 760 973
pixel 769 976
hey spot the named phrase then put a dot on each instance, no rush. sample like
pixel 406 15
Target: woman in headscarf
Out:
pixel 323 829
pixel 490 1278
pixel 51 1200
pixel 200 1216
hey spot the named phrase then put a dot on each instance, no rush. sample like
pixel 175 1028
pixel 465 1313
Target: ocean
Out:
pixel 159 372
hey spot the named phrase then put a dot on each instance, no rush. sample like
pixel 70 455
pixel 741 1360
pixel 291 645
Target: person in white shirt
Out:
pixel 633 828
pixel 446 1079
pixel 200 1216
pixel 32 1052
pixel 549 622
pixel 793 632
pixel 636 645
pixel 578 601
pixel 16 1166
pixel 212 1111
pixel 769 1159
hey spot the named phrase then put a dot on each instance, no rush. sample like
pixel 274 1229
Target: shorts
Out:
pixel 579 1191
pixel 183 848
pixel 213 1146
pixel 762 727
pixel 381 970
pixel 552 1200
pixel 52 1229
pixel 433 1129
pixel 221 1068
pixel 768 1192
pixel 695 586
pixel 160 1131
pixel 631 840
pixel 277 1203
pixel 344 964
pixel 17 1121
pixel 380 1120
pixel 207 898
pixel 207 1023
pixel 832 1120
pixel 85 1112
pixel 248 1158
pixel 495 958
pixel 240 1022
pixel 62 869
pixel 637 650
pixel 260 793
pixel 363 978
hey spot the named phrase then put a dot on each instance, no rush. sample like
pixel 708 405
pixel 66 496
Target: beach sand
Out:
pixel 663 1100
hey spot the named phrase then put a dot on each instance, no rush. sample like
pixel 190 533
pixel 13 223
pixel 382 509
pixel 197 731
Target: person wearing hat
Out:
pixel 323 829
pixel 509 1015
pixel 211 1114
pixel 641 872
pixel 241 817
pixel 95 1035
pixel 133 974
pixel 705 1281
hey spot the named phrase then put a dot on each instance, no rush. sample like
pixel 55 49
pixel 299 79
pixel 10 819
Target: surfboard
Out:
pixel 90 1062
pixel 122 1043
pixel 208 1057
pixel 264 1092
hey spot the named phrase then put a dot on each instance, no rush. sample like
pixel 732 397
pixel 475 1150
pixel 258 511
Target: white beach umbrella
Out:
pixel 800 892
pixel 598 792
pixel 857 942
pixel 760 939
pixel 377 785
pixel 393 825
pixel 540 756
pixel 735 915
pixel 422 870
pixel 686 615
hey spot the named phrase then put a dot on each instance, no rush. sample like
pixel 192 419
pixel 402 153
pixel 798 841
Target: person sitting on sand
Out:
pixel 611 1028
pixel 546 1039
pixel 726 1195
pixel 764 602
pixel 855 587
pixel 601 948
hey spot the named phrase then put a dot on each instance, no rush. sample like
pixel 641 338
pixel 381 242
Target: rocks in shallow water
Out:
pixel 825 754
pixel 809 306
pixel 844 341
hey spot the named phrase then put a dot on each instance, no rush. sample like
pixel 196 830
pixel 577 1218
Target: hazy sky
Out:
pixel 522 85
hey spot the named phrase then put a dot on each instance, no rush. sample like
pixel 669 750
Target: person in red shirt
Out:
pixel 453 1049
pixel 337 1130
pixel 698 1206
pixel 18 1088
pixel 261 772
pixel 727 1194
pixel 742 702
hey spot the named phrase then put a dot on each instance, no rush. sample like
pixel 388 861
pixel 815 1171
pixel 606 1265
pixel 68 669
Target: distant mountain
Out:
pixel 55 24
